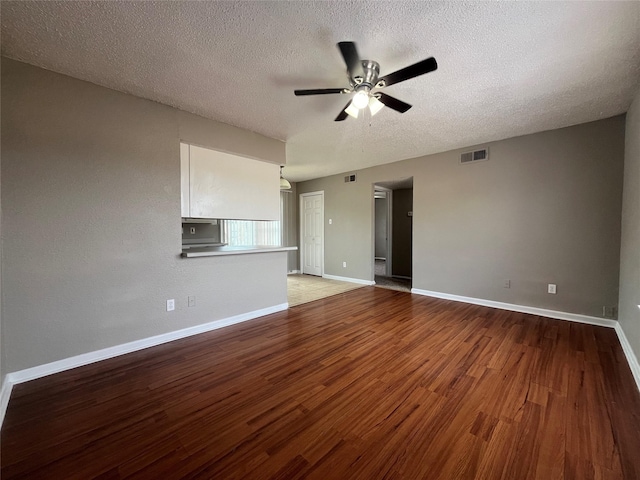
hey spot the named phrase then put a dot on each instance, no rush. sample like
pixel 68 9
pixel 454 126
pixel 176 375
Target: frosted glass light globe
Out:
pixel 360 99
pixel 375 105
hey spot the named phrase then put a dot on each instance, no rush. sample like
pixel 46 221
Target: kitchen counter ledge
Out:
pixel 226 250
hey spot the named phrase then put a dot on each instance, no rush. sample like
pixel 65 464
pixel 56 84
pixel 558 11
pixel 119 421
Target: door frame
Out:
pixel 301 230
pixel 389 196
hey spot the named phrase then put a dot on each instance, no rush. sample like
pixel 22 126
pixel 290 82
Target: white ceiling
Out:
pixel 505 69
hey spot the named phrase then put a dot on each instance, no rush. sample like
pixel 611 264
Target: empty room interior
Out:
pixel 454 186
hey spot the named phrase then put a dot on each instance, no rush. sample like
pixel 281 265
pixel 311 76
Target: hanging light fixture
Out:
pixel 284 183
pixel 352 110
pixel 361 98
pixel 375 105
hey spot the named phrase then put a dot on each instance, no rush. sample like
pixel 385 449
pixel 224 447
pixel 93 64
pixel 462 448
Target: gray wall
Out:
pixel 629 315
pixel 401 246
pixel 381 212
pixel 91 203
pixel 544 209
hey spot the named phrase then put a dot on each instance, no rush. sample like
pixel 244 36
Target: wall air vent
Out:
pixel 350 178
pixel 475 156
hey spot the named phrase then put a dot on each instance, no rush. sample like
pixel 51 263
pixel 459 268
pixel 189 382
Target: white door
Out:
pixel 312 226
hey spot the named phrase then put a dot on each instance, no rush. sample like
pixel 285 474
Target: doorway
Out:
pixel 393 234
pixel 383 199
pixel 312 233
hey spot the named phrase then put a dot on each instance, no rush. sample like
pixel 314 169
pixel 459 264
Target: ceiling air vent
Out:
pixel 350 178
pixel 475 156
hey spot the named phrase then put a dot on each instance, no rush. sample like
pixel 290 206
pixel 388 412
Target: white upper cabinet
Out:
pixel 226 186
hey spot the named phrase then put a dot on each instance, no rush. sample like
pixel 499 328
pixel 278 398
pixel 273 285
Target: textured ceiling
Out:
pixel 505 68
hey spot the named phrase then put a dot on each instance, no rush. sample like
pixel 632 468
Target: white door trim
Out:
pixel 301 209
pixel 389 262
pixel 389 196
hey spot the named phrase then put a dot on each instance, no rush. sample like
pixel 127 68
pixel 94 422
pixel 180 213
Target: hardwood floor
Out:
pixel 370 384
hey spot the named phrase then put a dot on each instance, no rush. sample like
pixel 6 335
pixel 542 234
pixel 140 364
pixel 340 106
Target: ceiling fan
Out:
pixel 364 81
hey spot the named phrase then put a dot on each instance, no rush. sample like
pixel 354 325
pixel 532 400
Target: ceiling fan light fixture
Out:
pixel 375 105
pixel 361 99
pixel 364 77
pixel 352 110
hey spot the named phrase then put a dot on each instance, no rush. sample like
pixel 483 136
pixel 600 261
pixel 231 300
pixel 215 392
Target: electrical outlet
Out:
pixel 330 221
pixel 171 305
pixel 191 301
pixel 507 284
pixel 551 288
pixel 608 312
pixel 344 264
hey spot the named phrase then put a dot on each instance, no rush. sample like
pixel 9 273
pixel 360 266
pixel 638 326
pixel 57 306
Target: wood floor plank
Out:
pixel 368 384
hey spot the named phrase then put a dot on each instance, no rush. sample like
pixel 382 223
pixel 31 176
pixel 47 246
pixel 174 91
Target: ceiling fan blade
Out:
pixel 412 71
pixel 343 114
pixel 394 103
pixel 351 58
pixel 319 91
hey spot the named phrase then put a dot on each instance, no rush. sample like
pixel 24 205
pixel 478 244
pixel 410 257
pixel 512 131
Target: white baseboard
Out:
pixel 293 272
pixel 5 394
pixel 96 356
pixel 110 352
pixel 347 279
pixel 543 312
pixel 632 360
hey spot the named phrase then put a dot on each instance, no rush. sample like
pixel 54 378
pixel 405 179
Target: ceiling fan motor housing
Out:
pixel 370 72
